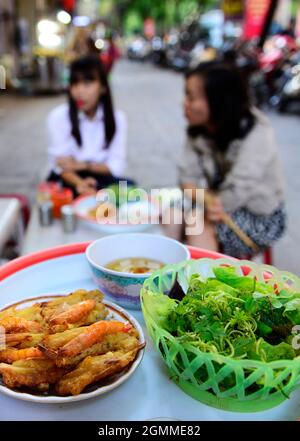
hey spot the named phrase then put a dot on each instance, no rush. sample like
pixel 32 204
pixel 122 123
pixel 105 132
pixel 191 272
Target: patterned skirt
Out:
pixel 264 230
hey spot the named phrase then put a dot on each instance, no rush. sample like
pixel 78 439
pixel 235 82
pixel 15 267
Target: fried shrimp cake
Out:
pixel 93 369
pixel 113 342
pixel 37 374
pixel 77 309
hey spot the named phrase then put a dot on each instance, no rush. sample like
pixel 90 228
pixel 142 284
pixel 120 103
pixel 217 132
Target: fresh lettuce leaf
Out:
pixel 228 276
pixel 282 351
pixel 159 306
pixel 244 284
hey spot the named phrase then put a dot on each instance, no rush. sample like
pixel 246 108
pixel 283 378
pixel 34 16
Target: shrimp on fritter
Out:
pixel 22 340
pixel 91 335
pixel 74 314
pixel 16 339
pixel 18 324
pixel 10 355
pixel 112 342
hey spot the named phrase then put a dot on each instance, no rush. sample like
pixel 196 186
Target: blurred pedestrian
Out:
pixel 78 45
pixel 111 55
pixel 87 149
pixel 230 152
pixel 290 29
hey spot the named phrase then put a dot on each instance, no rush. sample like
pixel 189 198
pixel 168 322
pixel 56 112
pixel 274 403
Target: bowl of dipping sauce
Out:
pixel 120 263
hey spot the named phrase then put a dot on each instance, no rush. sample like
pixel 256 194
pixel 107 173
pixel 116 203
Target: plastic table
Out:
pixel 39 237
pixel 147 394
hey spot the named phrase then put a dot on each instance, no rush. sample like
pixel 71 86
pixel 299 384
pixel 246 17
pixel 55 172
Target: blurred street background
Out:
pixel 157 41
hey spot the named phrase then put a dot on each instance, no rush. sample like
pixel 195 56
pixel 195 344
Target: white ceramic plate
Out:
pixel 83 204
pixel 115 313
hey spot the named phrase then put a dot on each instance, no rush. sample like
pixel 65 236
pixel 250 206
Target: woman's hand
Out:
pixel 87 186
pixel 69 164
pixel 214 210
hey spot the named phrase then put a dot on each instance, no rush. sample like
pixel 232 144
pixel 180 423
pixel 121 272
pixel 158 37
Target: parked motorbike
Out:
pixel 290 90
pixel 159 52
pixel 139 49
pixel 202 52
pixel 270 76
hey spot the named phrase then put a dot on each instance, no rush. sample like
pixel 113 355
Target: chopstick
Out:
pixel 227 219
pixel 239 232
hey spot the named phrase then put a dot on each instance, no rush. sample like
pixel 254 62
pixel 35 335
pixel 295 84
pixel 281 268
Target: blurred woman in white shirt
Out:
pixel 87 148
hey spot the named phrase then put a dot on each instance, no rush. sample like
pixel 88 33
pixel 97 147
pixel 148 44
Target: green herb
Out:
pixel 234 316
pixel 122 193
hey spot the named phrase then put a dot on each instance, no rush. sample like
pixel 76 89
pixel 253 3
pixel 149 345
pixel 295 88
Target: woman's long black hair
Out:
pixel 229 103
pixel 91 68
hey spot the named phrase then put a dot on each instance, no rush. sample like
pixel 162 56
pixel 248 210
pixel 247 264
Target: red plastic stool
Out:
pixel 268 256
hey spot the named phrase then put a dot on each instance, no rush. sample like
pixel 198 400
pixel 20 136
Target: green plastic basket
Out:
pixel 276 379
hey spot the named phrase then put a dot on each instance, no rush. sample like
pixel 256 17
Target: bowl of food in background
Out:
pixel 121 263
pixel 117 210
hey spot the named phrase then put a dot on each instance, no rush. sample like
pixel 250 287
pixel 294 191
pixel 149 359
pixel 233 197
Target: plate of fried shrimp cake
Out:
pixel 61 348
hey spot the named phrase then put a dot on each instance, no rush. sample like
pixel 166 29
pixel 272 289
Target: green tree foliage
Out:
pixel 166 13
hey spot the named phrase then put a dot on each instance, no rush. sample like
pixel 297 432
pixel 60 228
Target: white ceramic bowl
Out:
pixel 124 288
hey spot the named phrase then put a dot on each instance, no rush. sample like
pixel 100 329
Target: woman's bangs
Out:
pixel 80 75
